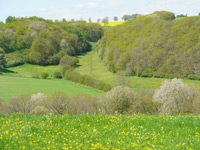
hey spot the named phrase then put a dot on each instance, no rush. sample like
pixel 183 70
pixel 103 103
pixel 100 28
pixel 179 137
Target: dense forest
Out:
pixel 38 41
pixel 154 45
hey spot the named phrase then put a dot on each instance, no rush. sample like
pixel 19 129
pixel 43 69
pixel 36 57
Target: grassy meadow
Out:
pixel 16 86
pixel 27 70
pixel 99 132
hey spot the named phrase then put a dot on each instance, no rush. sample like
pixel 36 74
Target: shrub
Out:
pixel 35 101
pixel 148 73
pixel 58 103
pixel 44 75
pixel 67 63
pixel 176 98
pixel 37 76
pixel 23 104
pixel 39 110
pixel 16 58
pixel 193 77
pixel 86 80
pixel 119 100
pixel 16 105
pixel 57 75
pixel 83 104
pixel 144 103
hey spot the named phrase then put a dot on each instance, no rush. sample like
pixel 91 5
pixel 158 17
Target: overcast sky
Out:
pixel 84 9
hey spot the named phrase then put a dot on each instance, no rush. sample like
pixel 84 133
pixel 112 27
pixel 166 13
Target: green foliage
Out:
pixel 163 15
pixel 2 59
pixel 86 80
pixel 120 100
pixel 115 18
pixel 10 19
pixel 67 63
pixel 105 21
pixel 100 72
pixel 86 31
pixel 44 40
pixel 153 45
pixel 193 77
pixel 57 75
pixel 44 75
pixel 131 17
pixel 16 58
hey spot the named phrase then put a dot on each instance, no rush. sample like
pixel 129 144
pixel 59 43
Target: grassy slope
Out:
pixel 91 65
pixel 99 132
pixel 15 86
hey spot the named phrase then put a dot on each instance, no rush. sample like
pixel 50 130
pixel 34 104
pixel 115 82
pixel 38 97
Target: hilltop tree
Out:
pixel 2 59
pixel 105 21
pixel 131 17
pixel 181 15
pixel 90 20
pixel 98 20
pixel 115 18
pixel 64 20
pixel 10 19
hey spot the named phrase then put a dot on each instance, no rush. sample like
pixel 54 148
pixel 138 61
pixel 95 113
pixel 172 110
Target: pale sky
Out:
pixel 84 9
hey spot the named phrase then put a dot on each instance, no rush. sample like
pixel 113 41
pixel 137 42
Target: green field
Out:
pixel 15 86
pixel 90 64
pixel 27 70
pixel 99 132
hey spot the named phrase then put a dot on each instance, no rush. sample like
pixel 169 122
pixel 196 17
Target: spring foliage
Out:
pixel 39 41
pixel 154 45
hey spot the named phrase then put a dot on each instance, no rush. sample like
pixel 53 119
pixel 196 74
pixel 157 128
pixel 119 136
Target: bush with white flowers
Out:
pixel 175 98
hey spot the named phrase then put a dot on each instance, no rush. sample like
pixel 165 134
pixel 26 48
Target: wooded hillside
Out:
pixel 154 45
pixel 39 41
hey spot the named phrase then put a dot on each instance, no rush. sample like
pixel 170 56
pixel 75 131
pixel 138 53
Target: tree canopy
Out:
pixel 45 40
pixel 154 45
